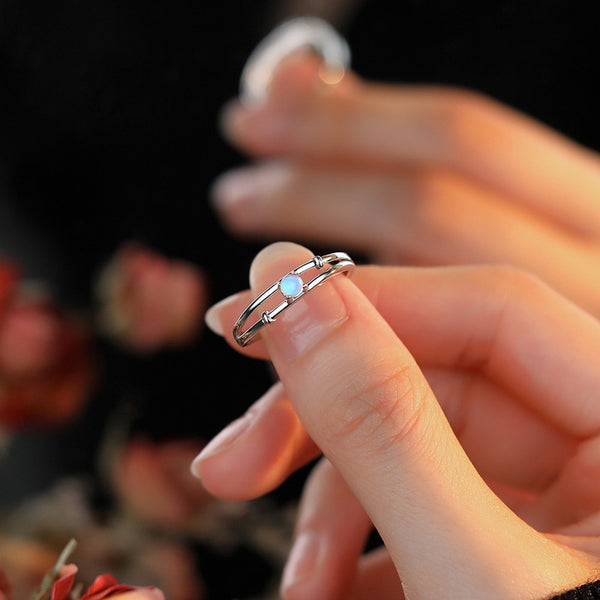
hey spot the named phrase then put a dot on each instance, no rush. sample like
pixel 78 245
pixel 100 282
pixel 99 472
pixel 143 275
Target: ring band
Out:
pixel 298 33
pixel 292 288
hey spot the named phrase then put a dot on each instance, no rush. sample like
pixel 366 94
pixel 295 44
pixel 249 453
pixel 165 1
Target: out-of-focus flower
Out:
pixel 4 586
pixel 106 586
pixel 25 563
pixel 149 302
pixel 9 276
pixel 154 482
pixel 46 370
pixel 119 544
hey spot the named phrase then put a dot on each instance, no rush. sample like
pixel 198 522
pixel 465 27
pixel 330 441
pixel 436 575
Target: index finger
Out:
pixel 507 324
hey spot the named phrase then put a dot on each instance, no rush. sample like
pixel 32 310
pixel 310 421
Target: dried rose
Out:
pixel 148 302
pixel 153 481
pixel 106 586
pixel 8 278
pixel 46 369
pixel 4 586
pixel 63 585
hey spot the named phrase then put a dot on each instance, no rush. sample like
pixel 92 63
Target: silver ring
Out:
pixel 292 288
pixel 300 32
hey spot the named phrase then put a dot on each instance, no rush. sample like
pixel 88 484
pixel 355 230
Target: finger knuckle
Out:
pixel 459 118
pixel 429 217
pixel 516 281
pixel 378 413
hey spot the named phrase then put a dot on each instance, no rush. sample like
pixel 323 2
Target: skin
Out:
pixel 457 412
pixel 422 175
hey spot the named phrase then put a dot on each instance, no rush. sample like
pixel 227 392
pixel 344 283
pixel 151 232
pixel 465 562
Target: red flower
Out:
pixel 148 301
pixel 106 586
pixel 4 586
pixel 45 367
pixel 62 586
pixel 8 279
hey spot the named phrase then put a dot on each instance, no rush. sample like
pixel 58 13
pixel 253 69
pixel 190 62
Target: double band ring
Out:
pixel 292 287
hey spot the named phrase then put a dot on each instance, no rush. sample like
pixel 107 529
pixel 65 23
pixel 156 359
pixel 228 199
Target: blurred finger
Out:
pixel 377 578
pixel 573 495
pixel 427 127
pixel 258 451
pixel 415 216
pixel 330 534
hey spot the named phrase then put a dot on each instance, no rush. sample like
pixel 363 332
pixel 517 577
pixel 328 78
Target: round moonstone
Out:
pixel 291 285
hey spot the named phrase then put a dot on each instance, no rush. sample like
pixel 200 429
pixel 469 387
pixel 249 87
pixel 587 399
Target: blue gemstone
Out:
pixel 291 285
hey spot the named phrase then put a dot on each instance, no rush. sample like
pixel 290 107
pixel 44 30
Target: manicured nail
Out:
pixel 242 194
pixel 236 195
pixel 223 441
pixel 302 561
pixel 212 317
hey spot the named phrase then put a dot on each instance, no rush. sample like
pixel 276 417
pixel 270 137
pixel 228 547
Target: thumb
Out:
pixel 362 398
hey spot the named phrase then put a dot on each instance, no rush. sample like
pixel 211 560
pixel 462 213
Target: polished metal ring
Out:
pixel 292 287
pixel 289 37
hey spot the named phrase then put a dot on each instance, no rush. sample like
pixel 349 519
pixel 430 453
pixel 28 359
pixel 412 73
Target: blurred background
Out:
pixel 110 252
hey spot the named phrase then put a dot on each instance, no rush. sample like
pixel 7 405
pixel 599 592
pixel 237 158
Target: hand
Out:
pixel 515 369
pixel 414 174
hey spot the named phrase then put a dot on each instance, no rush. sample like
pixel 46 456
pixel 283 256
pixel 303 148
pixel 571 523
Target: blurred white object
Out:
pixel 310 33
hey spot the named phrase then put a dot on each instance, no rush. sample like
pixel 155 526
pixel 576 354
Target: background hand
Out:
pixel 414 174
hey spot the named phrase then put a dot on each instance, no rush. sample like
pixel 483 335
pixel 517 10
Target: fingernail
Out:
pixel 302 561
pixel 212 317
pixel 233 187
pixel 223 441
pixel 236 196
pixel 243 193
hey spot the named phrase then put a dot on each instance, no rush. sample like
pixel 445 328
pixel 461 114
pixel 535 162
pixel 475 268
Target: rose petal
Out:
pixel 9 276
pixel 4 586
pixel 63 585
pixel 106 586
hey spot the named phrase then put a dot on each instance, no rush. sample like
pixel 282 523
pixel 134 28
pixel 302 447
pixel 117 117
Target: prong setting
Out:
pixel 291 286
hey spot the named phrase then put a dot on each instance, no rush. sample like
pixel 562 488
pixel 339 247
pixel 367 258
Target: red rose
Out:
pixel 106 586
pixel 46 371
pixel 148 301
pixel 63 585
pixel 8 278
pixel 4 586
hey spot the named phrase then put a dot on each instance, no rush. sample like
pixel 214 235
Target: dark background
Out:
pixel 108 131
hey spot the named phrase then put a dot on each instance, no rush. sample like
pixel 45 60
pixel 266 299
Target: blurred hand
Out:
pixel 478 467
pixel 414 174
